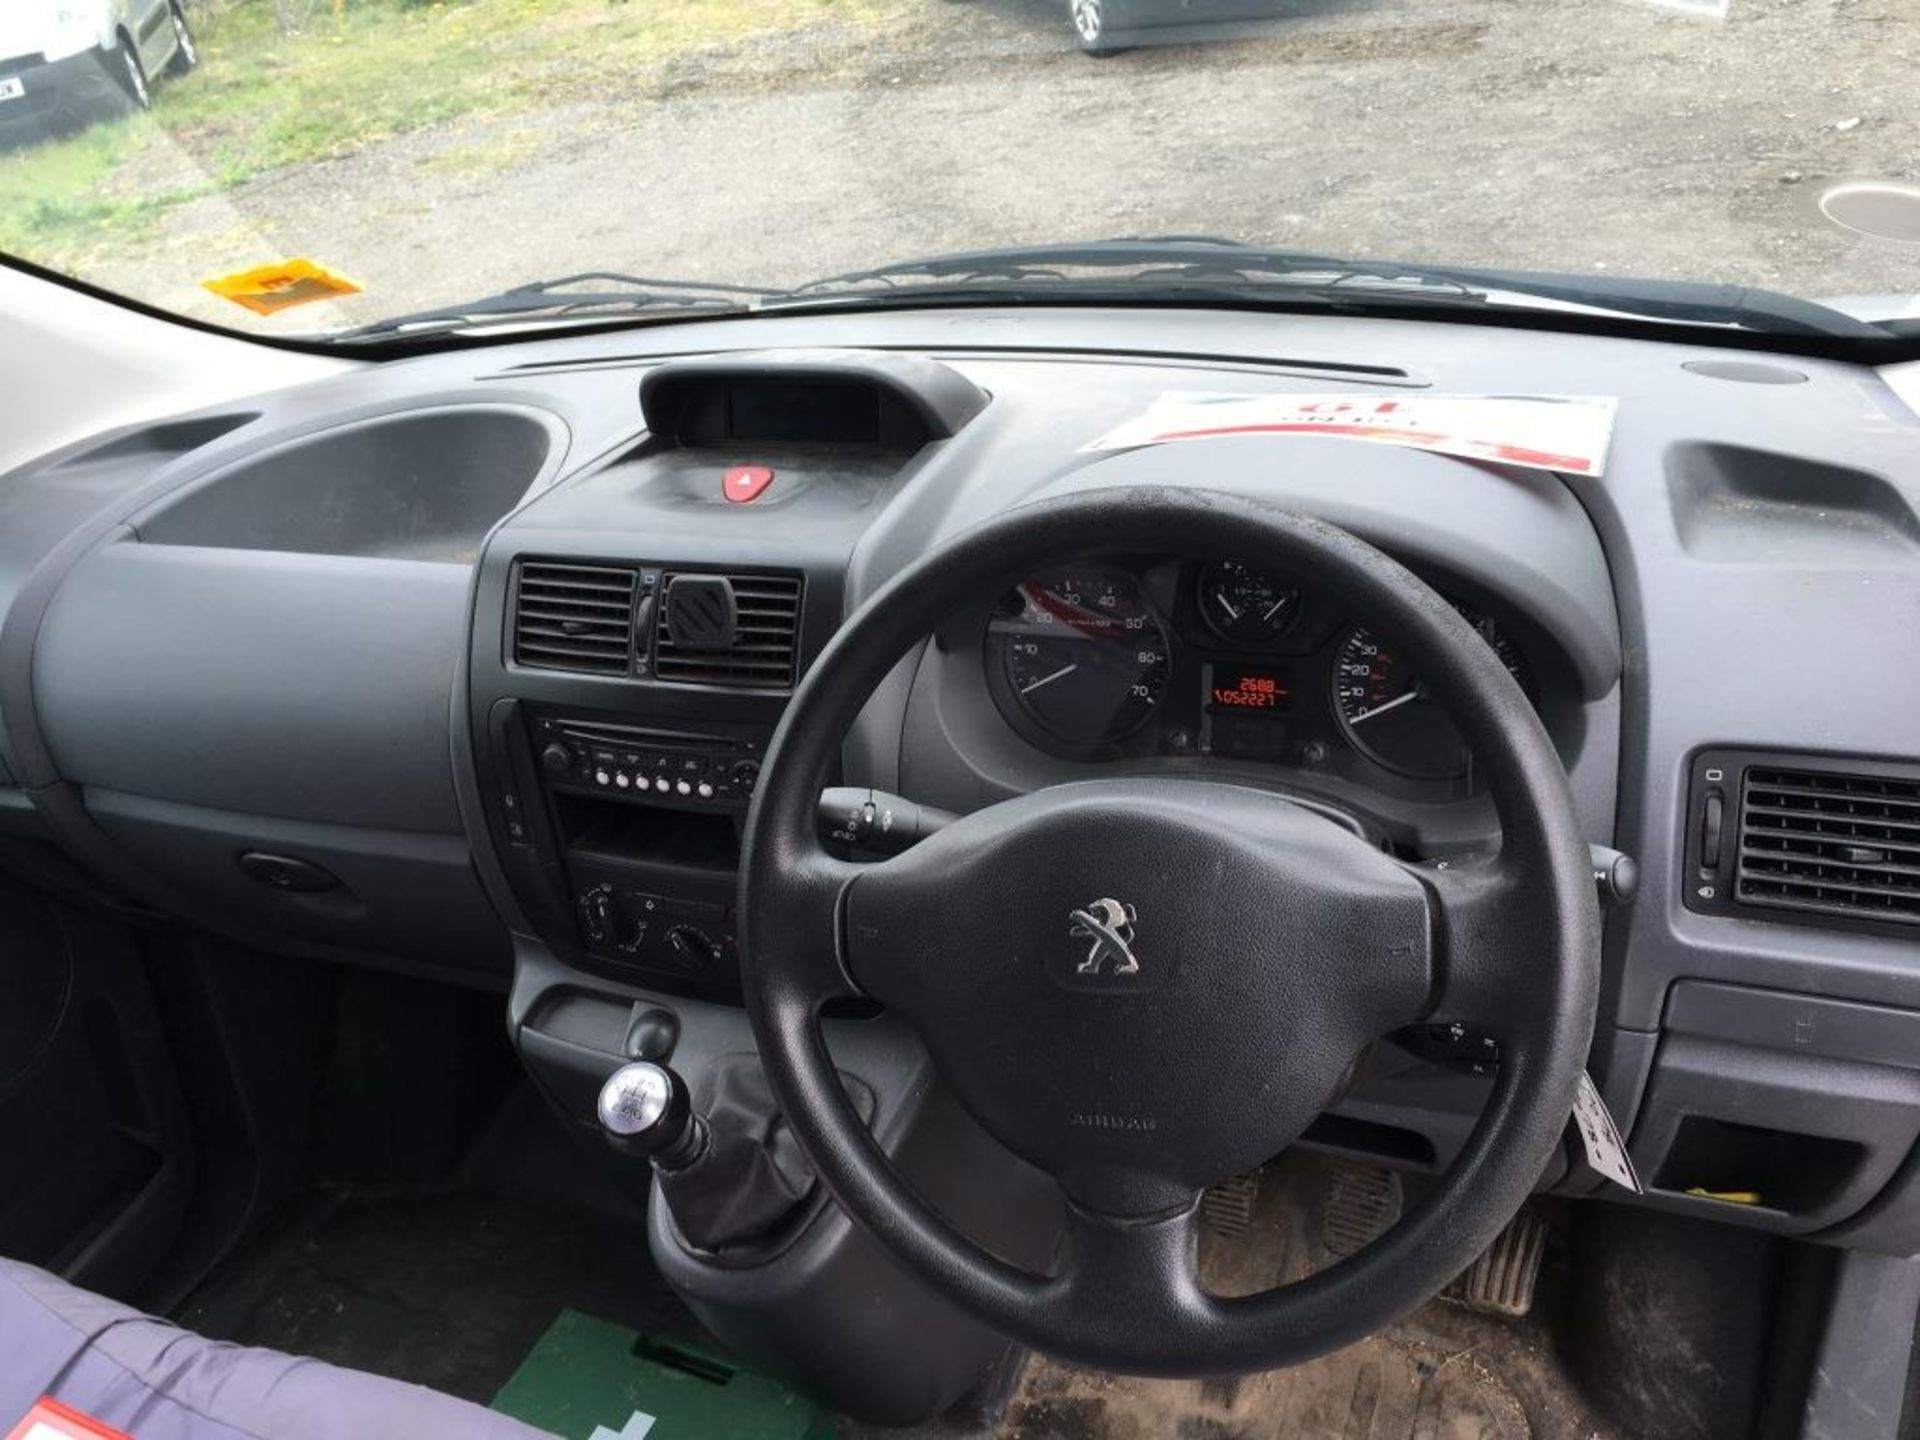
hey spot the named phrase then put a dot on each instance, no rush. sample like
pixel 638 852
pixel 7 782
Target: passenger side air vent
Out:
pixel 1831 844
pixel 740 630
pixel 1797 837
pixel 572 616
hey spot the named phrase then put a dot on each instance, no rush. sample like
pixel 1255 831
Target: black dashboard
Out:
pixel 567 631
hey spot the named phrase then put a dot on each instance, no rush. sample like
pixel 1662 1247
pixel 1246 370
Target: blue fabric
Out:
pixel 158 1382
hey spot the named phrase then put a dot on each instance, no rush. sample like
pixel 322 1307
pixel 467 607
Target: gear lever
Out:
pixel 645 1114
pixel 727 1182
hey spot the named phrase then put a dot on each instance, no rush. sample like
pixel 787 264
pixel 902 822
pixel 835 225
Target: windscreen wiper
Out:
pixel 1199 261
pixel 590 295
pixel 1176 263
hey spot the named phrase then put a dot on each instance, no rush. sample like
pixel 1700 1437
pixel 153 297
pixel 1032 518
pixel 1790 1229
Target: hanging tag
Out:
pixel 1606 1152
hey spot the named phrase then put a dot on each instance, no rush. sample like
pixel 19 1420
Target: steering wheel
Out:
pixel 1146 985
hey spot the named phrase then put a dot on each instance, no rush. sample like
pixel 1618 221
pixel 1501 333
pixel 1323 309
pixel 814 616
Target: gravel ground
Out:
pixel 1588 135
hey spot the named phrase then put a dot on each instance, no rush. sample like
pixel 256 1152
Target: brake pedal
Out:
pixel 1502 1280
pixel 1227 1207
pixel 1362 1201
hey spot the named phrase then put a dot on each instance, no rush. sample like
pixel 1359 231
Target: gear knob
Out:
pixel 646 1114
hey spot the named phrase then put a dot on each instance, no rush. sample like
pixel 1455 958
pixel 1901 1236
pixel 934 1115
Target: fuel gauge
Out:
pixel 1244 606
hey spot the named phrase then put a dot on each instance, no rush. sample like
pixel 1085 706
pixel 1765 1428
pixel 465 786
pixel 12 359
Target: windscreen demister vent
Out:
pixel 1830 843
pixel 694 643
pixel 570 616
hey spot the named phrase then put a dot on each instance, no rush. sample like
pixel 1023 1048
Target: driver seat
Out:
pixel 112 1372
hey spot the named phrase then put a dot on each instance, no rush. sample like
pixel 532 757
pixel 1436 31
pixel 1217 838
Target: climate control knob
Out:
pixel 557 758
pixel 692 949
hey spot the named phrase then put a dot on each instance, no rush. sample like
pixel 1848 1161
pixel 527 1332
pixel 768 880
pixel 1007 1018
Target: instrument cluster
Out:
pixel 1109 659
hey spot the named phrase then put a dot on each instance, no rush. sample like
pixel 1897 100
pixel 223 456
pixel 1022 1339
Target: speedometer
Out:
pixel 1083 656
pixel 1388 712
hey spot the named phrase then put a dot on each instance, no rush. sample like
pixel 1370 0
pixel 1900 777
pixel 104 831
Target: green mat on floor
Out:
pixel 588 1380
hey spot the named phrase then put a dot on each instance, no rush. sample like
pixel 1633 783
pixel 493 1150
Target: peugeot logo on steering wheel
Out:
pixel 1108 926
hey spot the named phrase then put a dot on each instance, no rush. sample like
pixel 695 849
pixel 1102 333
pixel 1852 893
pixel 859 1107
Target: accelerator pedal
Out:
pixel 1501 1281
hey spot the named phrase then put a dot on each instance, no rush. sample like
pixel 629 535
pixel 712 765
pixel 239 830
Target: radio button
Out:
pixel 620 779
pixel 683 787
pixel 704 790
pixel 662 784
pixel 600 777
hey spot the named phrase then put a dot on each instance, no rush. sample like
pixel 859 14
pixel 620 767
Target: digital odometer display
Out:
pixel 1247 709
pixel 1244 687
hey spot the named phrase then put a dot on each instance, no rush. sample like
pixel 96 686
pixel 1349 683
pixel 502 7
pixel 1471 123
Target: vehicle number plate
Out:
pixel 11 88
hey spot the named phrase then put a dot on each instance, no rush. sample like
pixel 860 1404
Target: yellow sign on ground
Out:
pixel 269 289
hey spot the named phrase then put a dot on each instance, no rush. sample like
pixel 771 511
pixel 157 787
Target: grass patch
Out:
pixel 353 76
pixel 59 194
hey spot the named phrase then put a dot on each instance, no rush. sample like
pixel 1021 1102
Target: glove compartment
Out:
pixel 1786 1112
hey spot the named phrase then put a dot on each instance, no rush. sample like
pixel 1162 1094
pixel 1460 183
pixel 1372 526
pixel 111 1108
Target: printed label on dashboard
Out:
pixel 1569 433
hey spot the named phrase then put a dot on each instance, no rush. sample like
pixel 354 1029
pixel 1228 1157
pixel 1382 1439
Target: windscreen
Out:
pixel 314 167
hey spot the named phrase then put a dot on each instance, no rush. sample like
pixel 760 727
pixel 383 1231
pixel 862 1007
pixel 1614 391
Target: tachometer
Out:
pixel 1390 716
pixel 1083 656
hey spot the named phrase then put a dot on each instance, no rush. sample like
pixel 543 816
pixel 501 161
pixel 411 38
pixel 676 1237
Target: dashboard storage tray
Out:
pixel 415 485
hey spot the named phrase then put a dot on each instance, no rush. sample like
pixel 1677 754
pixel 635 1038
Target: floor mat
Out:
pixel 454 1287
pixel 448 1286
pixel 1444 1373
pixel 449 1290
pixel 588 1380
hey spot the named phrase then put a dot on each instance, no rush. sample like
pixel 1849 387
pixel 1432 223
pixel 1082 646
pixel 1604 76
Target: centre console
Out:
pixel 644 820
pixel 624 834
pixel 639 627
pixel 638 631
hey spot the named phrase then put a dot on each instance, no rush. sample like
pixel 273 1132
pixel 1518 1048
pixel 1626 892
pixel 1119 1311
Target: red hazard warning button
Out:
pixel 745 482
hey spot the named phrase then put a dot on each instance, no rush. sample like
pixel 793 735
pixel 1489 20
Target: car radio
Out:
pixel 650 765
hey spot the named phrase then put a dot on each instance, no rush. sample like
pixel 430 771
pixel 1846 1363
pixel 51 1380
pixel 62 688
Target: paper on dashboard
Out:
pixel 1568 433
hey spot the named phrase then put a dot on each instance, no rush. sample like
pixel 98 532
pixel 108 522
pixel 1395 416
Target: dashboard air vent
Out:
pixel 758 653
pixel 1830 843
pixel 571 616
